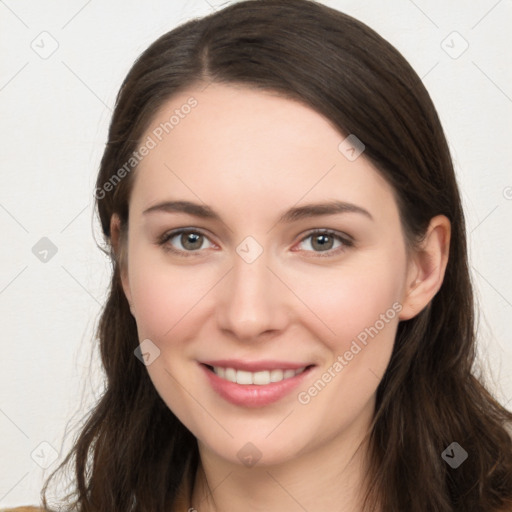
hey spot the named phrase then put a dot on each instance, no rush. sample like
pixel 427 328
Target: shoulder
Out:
pixel 508 508
pixel 22 509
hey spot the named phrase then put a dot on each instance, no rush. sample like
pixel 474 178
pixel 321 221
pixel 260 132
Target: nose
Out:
pixel 253 303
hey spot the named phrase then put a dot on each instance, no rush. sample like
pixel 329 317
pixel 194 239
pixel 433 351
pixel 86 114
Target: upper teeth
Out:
pixel 260 378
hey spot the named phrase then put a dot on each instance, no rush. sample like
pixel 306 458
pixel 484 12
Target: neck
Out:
pixel 330 477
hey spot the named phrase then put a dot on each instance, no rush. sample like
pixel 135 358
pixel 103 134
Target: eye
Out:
pixel 191 240
pixel 323 240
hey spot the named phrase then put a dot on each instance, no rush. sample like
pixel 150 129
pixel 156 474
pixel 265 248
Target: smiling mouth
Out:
pixel 260 378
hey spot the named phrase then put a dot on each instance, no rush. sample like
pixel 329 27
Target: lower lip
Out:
pixel 253 395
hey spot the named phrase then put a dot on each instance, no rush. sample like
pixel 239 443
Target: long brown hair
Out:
pixel 132 451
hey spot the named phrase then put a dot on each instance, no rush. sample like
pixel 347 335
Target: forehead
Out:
pixel 249 147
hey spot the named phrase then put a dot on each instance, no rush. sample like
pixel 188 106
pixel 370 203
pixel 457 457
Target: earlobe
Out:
pixel 427 268
pixel 119 249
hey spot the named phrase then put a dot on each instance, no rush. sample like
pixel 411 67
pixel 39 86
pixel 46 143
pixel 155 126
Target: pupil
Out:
pixel 323 241
pixel 190 238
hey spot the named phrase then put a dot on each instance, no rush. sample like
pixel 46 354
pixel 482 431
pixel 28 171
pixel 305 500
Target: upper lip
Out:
pixel 255 366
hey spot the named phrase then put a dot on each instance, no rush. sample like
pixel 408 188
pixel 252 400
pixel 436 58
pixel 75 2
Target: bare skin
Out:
pixel 250 156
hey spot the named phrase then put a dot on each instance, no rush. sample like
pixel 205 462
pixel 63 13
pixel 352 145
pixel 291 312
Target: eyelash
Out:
pixel 345 239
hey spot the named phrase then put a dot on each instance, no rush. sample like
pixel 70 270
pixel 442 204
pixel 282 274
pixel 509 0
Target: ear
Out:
pixel 426 268
pixel 119 245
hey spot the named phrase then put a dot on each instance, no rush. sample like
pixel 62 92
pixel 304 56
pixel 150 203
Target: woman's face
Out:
pixel 250 287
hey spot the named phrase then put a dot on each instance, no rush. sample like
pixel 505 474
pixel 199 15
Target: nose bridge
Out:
pixel 252 301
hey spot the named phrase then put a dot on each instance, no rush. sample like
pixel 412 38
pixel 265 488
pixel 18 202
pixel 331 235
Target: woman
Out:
pixel 290 318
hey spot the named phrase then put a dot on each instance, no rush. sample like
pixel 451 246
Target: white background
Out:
pixel 54 118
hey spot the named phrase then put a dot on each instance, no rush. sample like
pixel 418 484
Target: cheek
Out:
pixel 163 295
pixel 154 304
pixel 361 311
pixel 349 301
pixel 167 304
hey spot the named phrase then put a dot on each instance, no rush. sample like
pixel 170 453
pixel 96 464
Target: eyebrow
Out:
pixel 292 215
